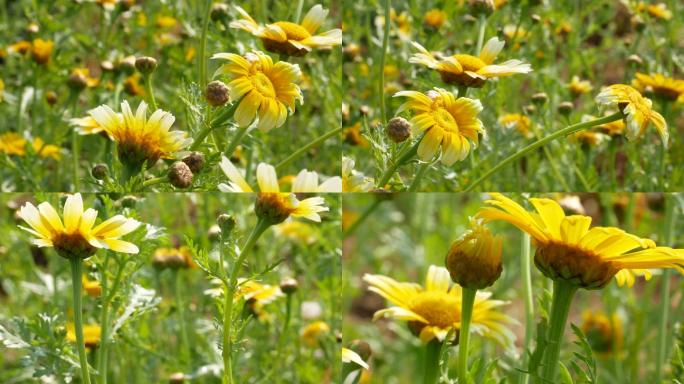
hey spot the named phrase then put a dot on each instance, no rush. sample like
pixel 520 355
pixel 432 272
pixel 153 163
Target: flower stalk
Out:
pixel 76 273
pixel 305 148
pixel 385 43
pixel 664 309
pixel 525 272
pixel 563 293
pixel 431 364
pixel 150 91
pixel 403 159
pixel 467 302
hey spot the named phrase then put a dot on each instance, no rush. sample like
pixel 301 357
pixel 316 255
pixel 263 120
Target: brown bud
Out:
pixel 129 201
pixel 214 233
pixel 51 97
pixel 565 108
pixel 180 175
pixel 529 109
pixel 127 64
pixel 226 224
pixel 289 285
pixel 177 378
pixel 194 161
pixel 77 81
pixel 398 129
pixel 145 64
pixel 364 110
pixel 217 93
pixel 99 171
pixel 481 7
pixel 540 98
pixel 361 348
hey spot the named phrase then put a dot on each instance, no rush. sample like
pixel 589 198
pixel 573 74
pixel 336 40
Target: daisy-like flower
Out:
pixel 604 333
pixel 636 109
pixel 91 334
pixel 267 180
pixel 138 138
pixel 352 180
pixel 474 260
pixel 349 356
pixel 77 236
pixel 661 86
pixel 434 18
pixel 447 121
pixel 173 258
pixel 520 122
pixel 292 39
pixel 614 128
pixel 12 143
pixel 80 78
pixel 86 125
pixel 257 295
pixel 91 287
pixel 314 332
pixel 467 70
pixel 434 310
pixel 578 87
pixel 659 11
pixel 569 250
pixel 590 138
pixel 41 51
pixel 265 89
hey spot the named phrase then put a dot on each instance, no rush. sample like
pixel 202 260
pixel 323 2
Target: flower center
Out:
pixel 72 245
pixel 263 85
pixel 293 31
pixel 438 308
pixel 445 120
pixel 470 63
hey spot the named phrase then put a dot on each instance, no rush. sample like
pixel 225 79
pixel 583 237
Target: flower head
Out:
pixel 257 295
pixel 265 89
pixel 288 38
pixel 267 180
pixel 434 310
pixel 520 122
pixel 636 108
pixel 173 258
pixel 661 86
pixel 474 260
pixel 603 333
pixel 434 18
pixel 314 332
pixel 468 70
pixel 41 51
pixel 352 180
pixel 659 11
pixel 578 87
pixel 91 287
pixel 77 235
pixel 12 143
pixel 568 249
pixel 138 138
pixel 91 334
pixel 276 207
pixel 448 122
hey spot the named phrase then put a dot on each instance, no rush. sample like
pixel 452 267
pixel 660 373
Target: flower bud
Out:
pixel 177 378
pixel 398 129
pixel 364 110
pixel 145 64
pixel 194 161
pixel 99 171
pixel 226 224
pixel 361 348
pixel 530 109
pixel 216 93
pixel 180 175
pixel 127 64
pixel 289 285
pixel 484 7
pixel 51 97
pixel 565 108
pixel 214 233
pixel 219 11
pixel 635 60
pixel 540 98
pixel 107 66
pixel 129 201
pixel 474 260
pixel 77 81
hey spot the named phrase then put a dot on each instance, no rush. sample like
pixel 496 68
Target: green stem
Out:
pixel 467 302
pixel 104 326
pixel 305 148
pixel 431 363
pixel 154 181
pixel 355 225
pixel 235 141
pixel 75 149
pixel 202 55
pixel 298 12
pixel 525 272
pixel 385 178
pixel 664 309
pixel 76 272
pixel 185 345
pixel 150 93
pixel 561 133
pixel 563 292
pixel 481 33
pixel 286 322
pixel 422 169
pixel 229 292
pixel 211 124
pixel 385 43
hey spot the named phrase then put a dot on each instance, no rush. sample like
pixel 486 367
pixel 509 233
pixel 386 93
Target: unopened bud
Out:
pixel 99 171
pixel 51 97
pixel 219 11
pixel 77 81
pixel 635 60
pixel 226 224
pixel 484 7
pixel 474 260
pixel 194 161
pixel 365 110
pixel 289 285
pixel 540 98
pixel 530 109
pixel 107 66
pixel 127 64
pixel 565 108
pixel 180 175
pixel 214 233
pixel 145 64
pixel 129 201
pixel 361 348
pixel 177 378
pixel 398 129
pixel 216 93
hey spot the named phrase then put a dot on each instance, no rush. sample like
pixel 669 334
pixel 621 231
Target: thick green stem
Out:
pixel 232 146
pixel 305 148
pixel 229 293
pixel 431 363
pixel 75 149
pixel 150 91
pixel 185 344
pixel 202 51
pixel 467 302
pixel 381 74
pixel 211 124
pixel 419 176
pixel 525 273
pixel 104 326
pixel 563 292
pixel 523 152
pixel 355 225
pixel 76 272
pixel 664 309
pixel 385 178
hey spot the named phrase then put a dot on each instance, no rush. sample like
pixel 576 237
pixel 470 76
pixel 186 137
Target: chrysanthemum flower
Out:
pixel 448 122
pixel 41 51
pixel 91 334
pixel 81 76
pixel 520 122
pixel 92 287
pixel 468 70
pixel 474 260
pixel 636 108
pixel 352 180
pixel 349 356
pixel 578 87
pixel 590 138
pixel 20 47
pixel 174 258
pixel 276 207
pixel 568 249
pixel 257 295
pixel 267 180
pixel 614 128
pixel 293 39
pixel 314 332
pixel 661 86
pixel 264 88
pixel 76 236
pixel 659 11
pixel 12 143
pixel 138 138
pixel 603 333
pixel 434 310
pixel 434 18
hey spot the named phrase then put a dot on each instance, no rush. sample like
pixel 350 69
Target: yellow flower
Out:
pixel 20 47
pixel 563 29
pixel 138 138
pixel 659 85
pixel 173 258
pixel 354 181
pixel 603 333
pixel 468 70
pixel 578 87
pixel 92 287
pixel 91 334
pixel 590 138
pixel 267 180
pixel 474 260
pixel 76 236
pixel 511 31
pixel 292 39
pixel 636 108
pixel 275 207
pixel 434 18
pixel 567 249
pixel 41 50
pixel 349 356
pixel 12 143
pixel 614 128
pixel 434 310
pixel 353 136
pixel 45 150
pixel 132 85
pixel 83 74
pixel 520 122
pixel 257 295
pixel 659 11
pixel 266 89
pixel 296 230
pixel 165 22
pixel 314 332
pixel 448 122
pixel 2 89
